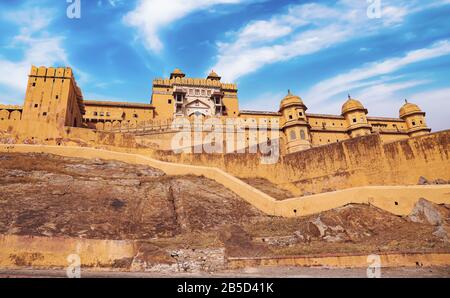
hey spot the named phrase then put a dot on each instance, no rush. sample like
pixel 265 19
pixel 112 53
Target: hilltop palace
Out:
pixel 53 99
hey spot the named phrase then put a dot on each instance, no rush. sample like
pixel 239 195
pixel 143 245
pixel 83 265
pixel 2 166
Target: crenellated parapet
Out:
pixel 179 95
pixel 194 82
pixel 10 112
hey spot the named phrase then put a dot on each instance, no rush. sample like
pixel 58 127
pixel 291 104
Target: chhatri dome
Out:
pixel 291 99
pixel 409 109
pixel 352 105
pixel 177 73
pixel 213 76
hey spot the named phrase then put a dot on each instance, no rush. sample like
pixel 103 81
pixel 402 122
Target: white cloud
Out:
pixel 31 19
pixel 42 51
pixel 387 100
pixel 304 29
pixel 380 98
pixel 150 16
pixel 114 3
pixel 370 74
pixel 386 92
pixel 377 87
pixel 39 49
pixel 269 101
pixel 436 103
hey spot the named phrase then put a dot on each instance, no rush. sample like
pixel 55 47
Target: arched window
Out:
pixel 302 134
pixel 293 135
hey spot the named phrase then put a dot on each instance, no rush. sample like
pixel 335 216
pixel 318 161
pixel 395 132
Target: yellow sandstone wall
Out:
pixel 355 162
pixel 346 261
pixel 116 115
pixel 37 132
pixel 27 251
pixel 53 252
pixel 396 199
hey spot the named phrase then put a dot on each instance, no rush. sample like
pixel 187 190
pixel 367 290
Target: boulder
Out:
pixel 443 232
pixel 427 212
pixel 422 181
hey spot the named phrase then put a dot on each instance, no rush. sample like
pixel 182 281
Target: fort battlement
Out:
pixel 54 102
pixel 51 72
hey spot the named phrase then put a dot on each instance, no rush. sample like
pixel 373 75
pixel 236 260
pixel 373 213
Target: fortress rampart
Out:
pixel 399 200
pixel 53 102
pixel 351 163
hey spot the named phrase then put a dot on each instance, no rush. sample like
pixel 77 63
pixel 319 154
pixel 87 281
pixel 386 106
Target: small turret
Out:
pixel 294 123
pixel 177 73
pixel 213 76
pixel 414 118
pixel 355 114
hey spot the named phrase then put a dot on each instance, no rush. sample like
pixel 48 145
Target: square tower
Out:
pixel 53 97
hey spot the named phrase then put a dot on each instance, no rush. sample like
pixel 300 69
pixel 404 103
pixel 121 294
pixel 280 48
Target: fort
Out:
pixel 54 103
pixel 101 180
pixel 317 153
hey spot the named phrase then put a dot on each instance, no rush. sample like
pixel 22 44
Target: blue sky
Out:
pixel 321 50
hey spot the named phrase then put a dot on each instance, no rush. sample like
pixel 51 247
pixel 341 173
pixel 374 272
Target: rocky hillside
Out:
pixel 48 195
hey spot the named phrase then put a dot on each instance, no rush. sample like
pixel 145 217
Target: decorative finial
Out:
pixel 406 101
pixel 349 97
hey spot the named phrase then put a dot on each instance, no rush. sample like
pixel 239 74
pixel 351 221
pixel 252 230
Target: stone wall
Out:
pixel 47 252
pixel 34 132
pixel 356 162
pixel 398 200
pixel 349 261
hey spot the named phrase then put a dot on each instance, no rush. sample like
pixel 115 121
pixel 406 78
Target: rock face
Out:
pixel 239 243
pixel 427 212
pixel 346 224
pixel 437 215
pixel 422 181
pixel 187 223
pixel 425 181
pixel 55 196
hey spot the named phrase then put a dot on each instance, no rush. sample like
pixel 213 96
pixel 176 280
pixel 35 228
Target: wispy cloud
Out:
pixel 150 16
pixel 39 48
pixel 113 3
pixel 41 51
pixel 268 101
pixel 436 103
pixel 376 84
pixel 370 74
pixel 381 99
pixel 304 29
